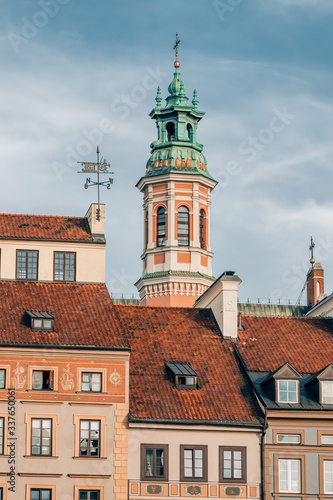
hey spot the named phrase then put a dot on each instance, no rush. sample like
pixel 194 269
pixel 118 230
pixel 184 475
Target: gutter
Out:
pixel 262 457
pixel 57 346
pixel 176 421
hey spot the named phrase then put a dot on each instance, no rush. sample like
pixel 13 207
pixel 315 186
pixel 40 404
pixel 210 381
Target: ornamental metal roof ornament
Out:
pixel 100 167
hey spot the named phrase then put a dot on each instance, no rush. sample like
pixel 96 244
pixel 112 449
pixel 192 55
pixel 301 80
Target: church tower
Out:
pixel 176 188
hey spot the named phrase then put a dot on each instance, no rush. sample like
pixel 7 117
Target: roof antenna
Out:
pixel 100 167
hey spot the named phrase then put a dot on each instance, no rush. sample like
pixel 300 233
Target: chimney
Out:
pixel 221 298
pixel 315 284
pixel 96 220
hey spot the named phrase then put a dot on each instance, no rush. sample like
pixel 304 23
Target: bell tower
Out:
pixel 176 188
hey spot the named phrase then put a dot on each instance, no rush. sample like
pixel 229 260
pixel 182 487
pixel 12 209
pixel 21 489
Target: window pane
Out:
pixel 2 379
pixel 289 438
pixel 327 439
pixel 288 391
pixel 183 226
pixel 149 471
pixel 2 423
pixel 96 384
pixel 327 391
pixel 159 462
pixel 328 476
pixel 37 380
pixel 160 227
pixel 289 476
pixel 21 264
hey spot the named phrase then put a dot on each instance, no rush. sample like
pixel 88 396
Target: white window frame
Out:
pixel 288 381
pixel 289 462
pixel 330 463
pixel 287 437
pixel 329 385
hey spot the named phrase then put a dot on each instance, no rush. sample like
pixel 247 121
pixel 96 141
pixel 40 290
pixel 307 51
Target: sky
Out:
pixel 75 73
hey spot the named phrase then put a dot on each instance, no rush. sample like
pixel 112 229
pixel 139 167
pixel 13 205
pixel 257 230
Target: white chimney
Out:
pixel 96 220
pixel 221 298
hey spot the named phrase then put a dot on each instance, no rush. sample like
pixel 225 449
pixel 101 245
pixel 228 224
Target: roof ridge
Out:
pixel 44 215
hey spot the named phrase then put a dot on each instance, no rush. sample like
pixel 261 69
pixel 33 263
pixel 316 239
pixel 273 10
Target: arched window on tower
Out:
pixel 202 229
pixel 183 227
pixel 190 132
pixel 146 230
pixel 317 291
pixel 160 240
pixel 171 131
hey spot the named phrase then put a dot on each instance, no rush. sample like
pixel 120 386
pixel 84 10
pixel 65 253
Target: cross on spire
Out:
pixel 311 247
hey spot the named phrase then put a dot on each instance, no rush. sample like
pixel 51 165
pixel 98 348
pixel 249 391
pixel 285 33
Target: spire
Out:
pixel 158 98
pixel 176 88
pixel 195 101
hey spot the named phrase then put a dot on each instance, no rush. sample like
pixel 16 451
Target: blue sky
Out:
pixel 77 72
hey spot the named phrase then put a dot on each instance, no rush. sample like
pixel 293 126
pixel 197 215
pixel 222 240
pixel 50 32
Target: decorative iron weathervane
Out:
pixel 100 167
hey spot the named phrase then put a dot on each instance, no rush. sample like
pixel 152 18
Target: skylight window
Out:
pixel 182 374
pixel 40 321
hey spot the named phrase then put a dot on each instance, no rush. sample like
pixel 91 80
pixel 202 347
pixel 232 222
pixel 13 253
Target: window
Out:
pixel 26 264
pixel 1 493
pixel 42 380
pixel 182 375
pixel 288 391
pixel 232 464
pixel 41 436
pixel 202 229
pixel 89 495
pixel 289 438
pixel 328 476
pixel 193 460
pixel 38 494
pixel 154 461
pixel 327 392
pixel 183 226
pixel 90 438
pixel 91 382
pixel 40 321
pixel 170 128
pixel 2 379
pixel 2 436
pixel 160 242
pixel 327 439
pixel 289 476
pixel 64 266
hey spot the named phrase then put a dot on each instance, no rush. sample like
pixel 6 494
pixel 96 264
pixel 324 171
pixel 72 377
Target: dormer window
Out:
pixel 287 391
pixel 40 321
pixel 182 374
pixel 327 392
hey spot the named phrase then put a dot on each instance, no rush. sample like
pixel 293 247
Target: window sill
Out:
pixel 193 480
pixel 40 456
pixel 89 458
pixel 90 392
pixel 158 479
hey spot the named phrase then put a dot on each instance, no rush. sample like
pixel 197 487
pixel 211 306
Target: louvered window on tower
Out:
pixel 160 227
pixel 182 374
pixel 183 226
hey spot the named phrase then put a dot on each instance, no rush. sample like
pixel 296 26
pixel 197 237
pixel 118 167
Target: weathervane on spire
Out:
pixel 100 167
pixel 177 64
pixel 311 247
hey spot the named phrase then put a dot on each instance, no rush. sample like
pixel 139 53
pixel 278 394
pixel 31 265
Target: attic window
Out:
pixel 182 374
pixel 40 321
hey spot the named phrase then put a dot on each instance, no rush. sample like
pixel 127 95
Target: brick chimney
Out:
pixel 315 284
pixel 221 298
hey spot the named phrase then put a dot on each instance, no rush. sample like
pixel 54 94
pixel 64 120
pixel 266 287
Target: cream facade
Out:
pixel 175 439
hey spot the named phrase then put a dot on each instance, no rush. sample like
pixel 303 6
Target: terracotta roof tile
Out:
pixel 158 334
pixel 269 342
pixel 83 314
pixel 44 227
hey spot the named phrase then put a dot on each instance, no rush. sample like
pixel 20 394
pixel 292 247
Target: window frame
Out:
pixel 6 369
pixel 187 244
pixel 87 487
pixel 89 444
pixel 41 428
pixel 54 422
pixel 50 487
pixel 243 451
pixel 159 224
pixel 289 456
pixel 27 264
pixel 193 478
pixel 322 460
pixel 293 432
pixel 38 368
pixel 202 229
pixel 4 418
pixel 3 490
pixel 324 432
pixel 103 422
pixel 102 371
pixel 321 391
pixel 64 267
pixel 287 380
pixel 165 448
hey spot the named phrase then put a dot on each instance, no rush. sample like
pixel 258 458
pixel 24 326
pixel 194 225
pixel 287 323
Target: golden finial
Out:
pixel 176 63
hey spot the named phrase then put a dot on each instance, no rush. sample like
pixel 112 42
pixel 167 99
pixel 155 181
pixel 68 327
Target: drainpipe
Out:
pixel 262 453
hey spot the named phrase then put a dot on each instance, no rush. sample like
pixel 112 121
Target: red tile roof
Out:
pixel 158 334
pixel 269 342
pixel 44 227
pixel 83 314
